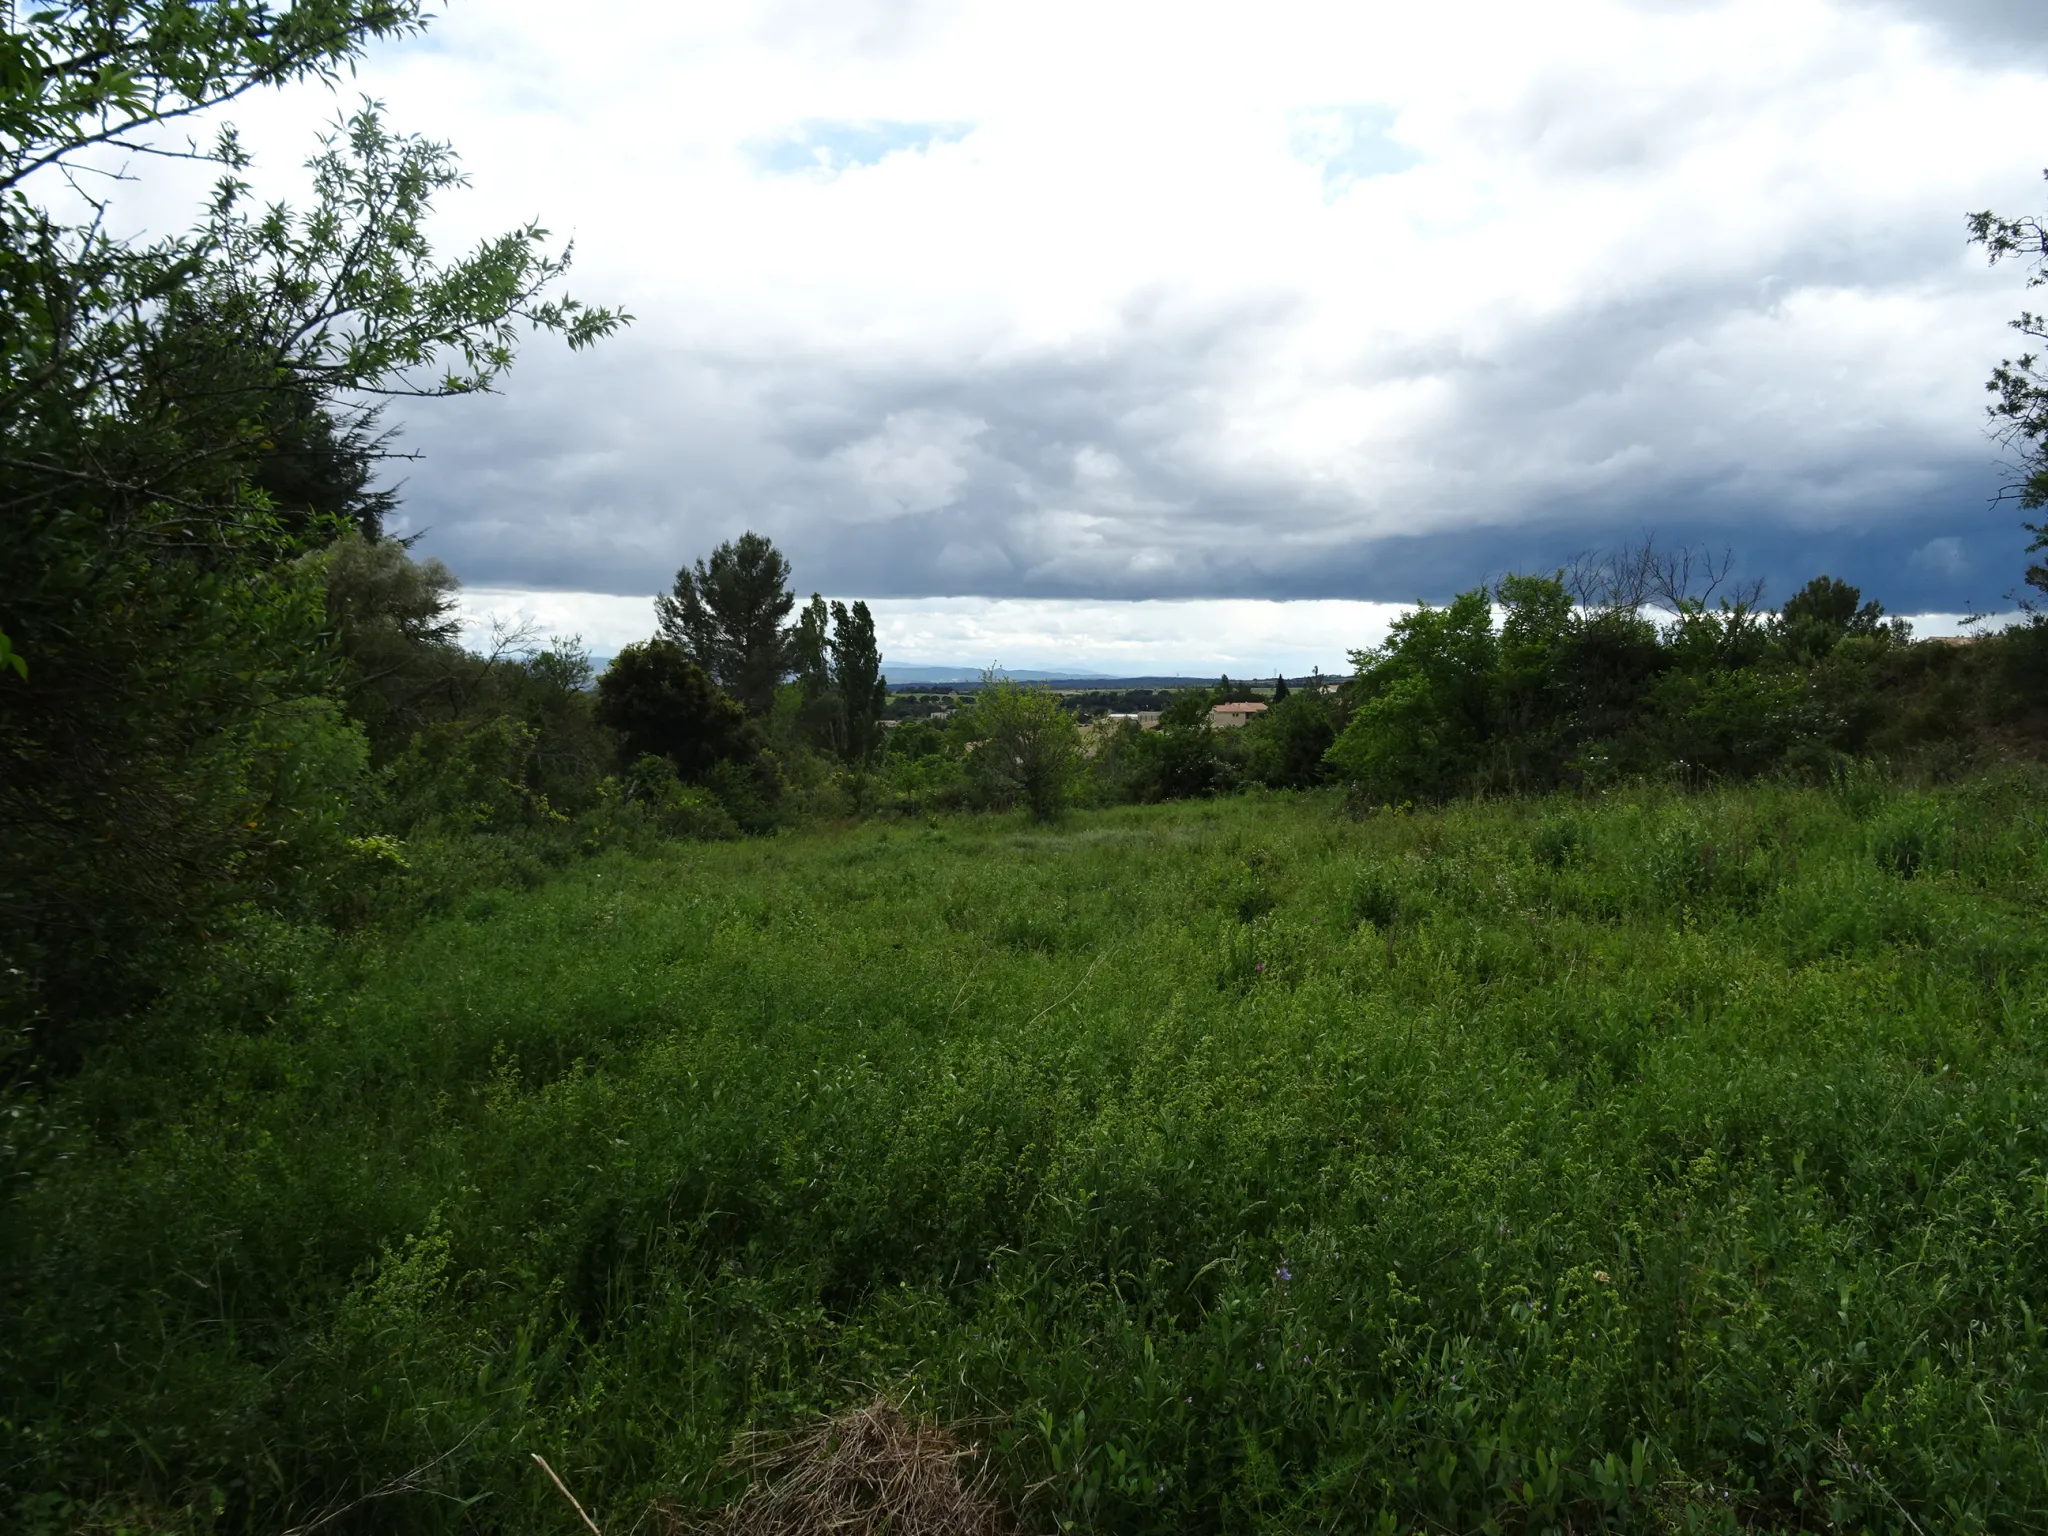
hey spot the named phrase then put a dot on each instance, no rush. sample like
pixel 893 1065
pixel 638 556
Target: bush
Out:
pixel 1175 762
pixel 464 776
pixel 1731 723
pixel 678 809
pixel 1424 703
pixel 661 702
pixel 1028 748
pixel 1285 747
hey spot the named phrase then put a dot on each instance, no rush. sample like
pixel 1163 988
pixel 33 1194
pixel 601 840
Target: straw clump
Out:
pixel 866 1471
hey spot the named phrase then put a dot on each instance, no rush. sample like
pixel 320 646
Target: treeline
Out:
pixel 1548 682
pixel 1631 666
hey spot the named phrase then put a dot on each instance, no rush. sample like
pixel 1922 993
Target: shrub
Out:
pixel 1029 748
pixel 464 776
pixel 661 702
pixel 1425 701
pixel 1285 746
pixel 678 809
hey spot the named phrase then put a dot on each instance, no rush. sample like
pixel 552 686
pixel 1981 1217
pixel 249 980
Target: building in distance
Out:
pixel 1233 716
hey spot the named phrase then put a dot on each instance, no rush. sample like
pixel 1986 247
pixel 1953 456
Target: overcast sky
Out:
pixel 1070 304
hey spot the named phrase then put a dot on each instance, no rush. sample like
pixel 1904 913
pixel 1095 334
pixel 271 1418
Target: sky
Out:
pixel 1200 336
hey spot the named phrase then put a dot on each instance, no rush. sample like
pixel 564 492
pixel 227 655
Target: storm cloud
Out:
pixel 1291 301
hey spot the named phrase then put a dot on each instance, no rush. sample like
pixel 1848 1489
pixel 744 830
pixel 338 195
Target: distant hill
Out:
pixel 908 677
pixel 906 674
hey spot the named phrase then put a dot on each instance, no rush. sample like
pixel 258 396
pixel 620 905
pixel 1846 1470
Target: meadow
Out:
pixel 1642 1162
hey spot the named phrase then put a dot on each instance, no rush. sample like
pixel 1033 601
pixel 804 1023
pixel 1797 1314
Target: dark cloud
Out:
pixel 1986 32
pixel 1672 397
pixel 1079 476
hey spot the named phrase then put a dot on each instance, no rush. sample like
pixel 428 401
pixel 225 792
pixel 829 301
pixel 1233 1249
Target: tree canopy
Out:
pixel 181 421
pixel 728 612
pixel 2019 385
pixel 662 703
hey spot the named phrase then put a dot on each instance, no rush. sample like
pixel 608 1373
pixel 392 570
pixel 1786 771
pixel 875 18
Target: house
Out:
pixel 1232 716
pixel 1148 719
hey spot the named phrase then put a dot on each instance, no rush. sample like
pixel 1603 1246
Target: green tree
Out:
pixel 820 717
pixel 1228 692
pixel 151 515
pixel 857 679
pixel 728 615
pixel 1423 702
pixel 1189 707
pixel 1820 615
pixel 811 648
pixel 552 692
pixel 1029 746
pixel 2019 385
pixel 394 625
pixel 1531 704
pixel 321 465
pixel 1286 745
pixel 661 703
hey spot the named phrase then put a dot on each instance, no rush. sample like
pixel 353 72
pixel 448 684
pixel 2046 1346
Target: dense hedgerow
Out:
pixel 1635 1162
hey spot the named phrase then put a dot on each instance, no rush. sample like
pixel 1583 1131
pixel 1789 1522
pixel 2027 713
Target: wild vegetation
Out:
pixel 1584 1069
pixel 1643 1161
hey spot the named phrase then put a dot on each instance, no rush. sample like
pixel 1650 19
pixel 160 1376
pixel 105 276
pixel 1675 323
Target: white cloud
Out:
pixel 1303 297
pixel 915 463
pixel 1197 638
pixel 1246 638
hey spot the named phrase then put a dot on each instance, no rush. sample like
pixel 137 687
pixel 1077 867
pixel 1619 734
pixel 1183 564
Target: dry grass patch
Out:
pixel 865 1472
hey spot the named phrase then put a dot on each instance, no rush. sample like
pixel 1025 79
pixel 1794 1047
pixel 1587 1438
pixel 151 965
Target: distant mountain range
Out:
pixel 926 677
pixel 903 674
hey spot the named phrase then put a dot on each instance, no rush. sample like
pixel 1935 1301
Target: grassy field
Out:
pixel 1647 1163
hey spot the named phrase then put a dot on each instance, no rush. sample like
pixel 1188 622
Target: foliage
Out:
pixel 1287 744
pixel 1820 615
pixel 838 666
pixel 1566 691
pixel 679 809
pixel 177 431
pixel 2019 410
pixel 465 776
pixel 857 679
pixel 108 72
pixel 1643 1162
pixel 1190 707
pixel 1182 760
pixel 397 634
pixel 1424 701
pixel 727 616
pixel 660 702
pixel 1027 748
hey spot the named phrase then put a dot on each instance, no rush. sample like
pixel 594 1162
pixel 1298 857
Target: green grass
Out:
pixel 1646 1163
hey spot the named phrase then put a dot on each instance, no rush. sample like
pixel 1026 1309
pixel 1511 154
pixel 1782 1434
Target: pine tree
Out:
pixel 728 615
